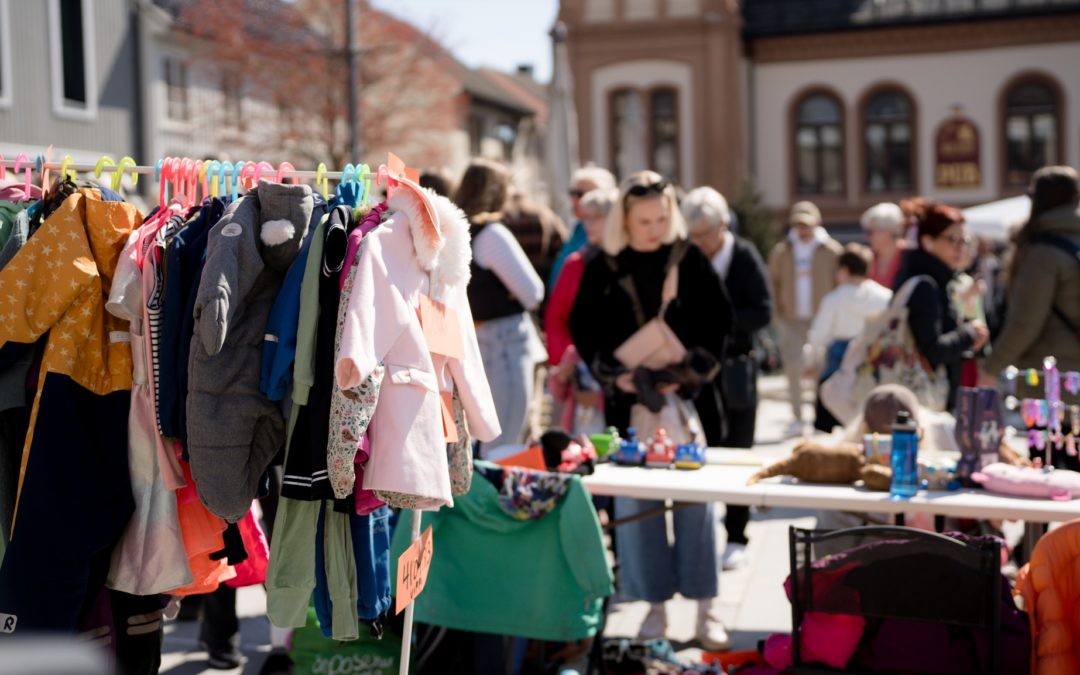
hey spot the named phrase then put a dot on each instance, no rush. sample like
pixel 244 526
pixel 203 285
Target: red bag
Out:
pixel 253 570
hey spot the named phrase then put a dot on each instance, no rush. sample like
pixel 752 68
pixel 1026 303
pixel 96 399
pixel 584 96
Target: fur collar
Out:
pixel 443 247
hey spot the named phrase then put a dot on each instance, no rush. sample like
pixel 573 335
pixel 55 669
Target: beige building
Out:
pixel 844 102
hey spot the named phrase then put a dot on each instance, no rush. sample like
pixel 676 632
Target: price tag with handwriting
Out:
pixel 412 569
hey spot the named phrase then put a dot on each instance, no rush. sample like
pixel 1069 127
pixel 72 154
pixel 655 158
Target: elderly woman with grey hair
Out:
pixel 884 225
pixel 743 272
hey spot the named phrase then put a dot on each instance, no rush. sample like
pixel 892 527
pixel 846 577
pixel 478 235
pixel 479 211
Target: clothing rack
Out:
pixel 33 166
pixel 40 164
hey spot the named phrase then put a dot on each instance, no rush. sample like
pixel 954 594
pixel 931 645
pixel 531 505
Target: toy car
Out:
pixel 690 456
pixel 660 452
pixel 630 451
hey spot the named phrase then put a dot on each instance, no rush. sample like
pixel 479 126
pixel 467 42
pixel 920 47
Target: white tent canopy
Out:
pixel 996 220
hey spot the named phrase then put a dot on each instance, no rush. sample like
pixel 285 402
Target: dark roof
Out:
pixel 788 17
pixel 484 89
pixel 527 91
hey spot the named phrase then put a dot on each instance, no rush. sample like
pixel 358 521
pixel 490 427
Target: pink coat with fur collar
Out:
pixel 417 251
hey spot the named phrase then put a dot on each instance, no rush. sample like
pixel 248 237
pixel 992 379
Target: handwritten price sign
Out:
pixel 412 569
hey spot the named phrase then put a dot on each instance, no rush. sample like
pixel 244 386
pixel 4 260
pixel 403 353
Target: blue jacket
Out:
pixel 279 345
pixel 183 267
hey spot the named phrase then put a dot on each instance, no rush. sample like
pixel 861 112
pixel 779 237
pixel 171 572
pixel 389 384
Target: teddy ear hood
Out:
pixel 440 233
pixel 284 215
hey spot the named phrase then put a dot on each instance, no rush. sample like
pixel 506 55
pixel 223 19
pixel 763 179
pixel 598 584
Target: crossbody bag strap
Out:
pixel 671 281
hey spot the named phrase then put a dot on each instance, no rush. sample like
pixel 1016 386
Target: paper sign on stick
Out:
pixel 442 332
pixel 394 165
pixel 412 569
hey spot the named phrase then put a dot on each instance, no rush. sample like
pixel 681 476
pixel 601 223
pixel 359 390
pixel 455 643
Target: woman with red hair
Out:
pixel 939 335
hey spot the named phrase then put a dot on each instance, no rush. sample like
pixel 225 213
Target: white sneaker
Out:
pixel 735 556
pixel 795 429
pixel 655 624
pixel 710 631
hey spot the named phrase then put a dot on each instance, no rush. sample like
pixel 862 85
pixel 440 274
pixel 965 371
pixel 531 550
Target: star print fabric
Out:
pixel 58 283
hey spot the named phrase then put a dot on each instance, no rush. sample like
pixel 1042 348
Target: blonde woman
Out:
pixel 642 231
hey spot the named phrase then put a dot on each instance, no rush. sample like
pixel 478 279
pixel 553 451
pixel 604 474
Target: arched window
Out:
pixel 819 145
pixel 1032 129
pixel 644 130
pixel 887 142
pixel 664 132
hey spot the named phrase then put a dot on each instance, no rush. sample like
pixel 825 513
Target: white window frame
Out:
pixel 6 86
pixel 61 108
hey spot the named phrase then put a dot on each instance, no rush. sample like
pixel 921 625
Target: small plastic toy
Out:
pixel 690 456
pixel 630 451
pixel 660 452
pixel 607 442
pixel 579 453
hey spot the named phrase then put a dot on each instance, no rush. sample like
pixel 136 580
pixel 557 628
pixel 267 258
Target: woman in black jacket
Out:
pixel 939 337
pixel 745 278
pixel 643 230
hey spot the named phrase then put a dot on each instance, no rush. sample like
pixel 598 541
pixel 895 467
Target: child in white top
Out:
pixel 842 316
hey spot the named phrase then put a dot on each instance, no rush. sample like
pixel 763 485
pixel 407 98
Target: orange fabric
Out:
pixel 202 536
pixel 1050 586
pixel 58 283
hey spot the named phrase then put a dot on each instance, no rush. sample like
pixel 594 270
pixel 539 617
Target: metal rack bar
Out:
pixel 150 170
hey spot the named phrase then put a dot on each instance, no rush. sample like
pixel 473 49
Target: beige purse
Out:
pixel 654 345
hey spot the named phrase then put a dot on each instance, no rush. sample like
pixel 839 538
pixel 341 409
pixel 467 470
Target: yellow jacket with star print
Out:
pixel 58 283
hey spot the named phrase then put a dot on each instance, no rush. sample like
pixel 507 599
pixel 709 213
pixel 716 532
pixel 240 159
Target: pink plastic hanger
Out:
pixel 168 172
pixel 19 159
pixel 283 170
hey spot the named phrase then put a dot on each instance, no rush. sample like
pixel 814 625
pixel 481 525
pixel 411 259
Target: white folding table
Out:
pixel 723 479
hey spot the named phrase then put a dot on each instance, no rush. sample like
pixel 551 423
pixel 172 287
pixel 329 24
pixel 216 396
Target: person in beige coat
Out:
pixel 802 269
pixel 1043 312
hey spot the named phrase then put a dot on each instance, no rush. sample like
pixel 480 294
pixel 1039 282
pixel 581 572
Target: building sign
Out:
pixel 956 163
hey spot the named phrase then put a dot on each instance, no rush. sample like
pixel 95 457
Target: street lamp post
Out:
pixel 352 53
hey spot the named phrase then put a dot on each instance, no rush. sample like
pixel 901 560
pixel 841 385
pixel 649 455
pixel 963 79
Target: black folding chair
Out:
pixel 897 573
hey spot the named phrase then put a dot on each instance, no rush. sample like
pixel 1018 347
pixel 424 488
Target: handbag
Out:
pixel 678 418
pixel 885 353
pixel 654 345
pixel 738 382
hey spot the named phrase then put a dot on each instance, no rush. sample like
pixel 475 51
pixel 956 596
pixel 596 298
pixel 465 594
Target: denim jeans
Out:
pixel 650 569
pixel 834 356
pixel 505 350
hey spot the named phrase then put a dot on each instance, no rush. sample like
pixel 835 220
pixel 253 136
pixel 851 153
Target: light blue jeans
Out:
pixel 505 350
pixel 651 569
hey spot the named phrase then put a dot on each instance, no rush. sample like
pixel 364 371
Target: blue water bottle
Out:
pixel 905 452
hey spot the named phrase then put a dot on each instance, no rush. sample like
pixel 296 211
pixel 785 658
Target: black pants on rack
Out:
pixel 137 620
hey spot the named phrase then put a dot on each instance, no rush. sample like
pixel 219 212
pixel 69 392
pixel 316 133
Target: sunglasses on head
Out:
pixel 642 190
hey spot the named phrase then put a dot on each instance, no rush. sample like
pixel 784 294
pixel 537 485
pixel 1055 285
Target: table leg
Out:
pixel 1032 533
pixel 898 520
